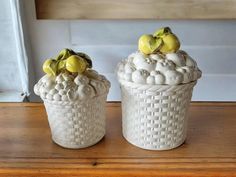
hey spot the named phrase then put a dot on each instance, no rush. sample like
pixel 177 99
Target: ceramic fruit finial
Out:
pixel 67 61
pixel 163 40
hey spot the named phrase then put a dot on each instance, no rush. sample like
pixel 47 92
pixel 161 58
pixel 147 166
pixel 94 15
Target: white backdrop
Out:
pixel 211 43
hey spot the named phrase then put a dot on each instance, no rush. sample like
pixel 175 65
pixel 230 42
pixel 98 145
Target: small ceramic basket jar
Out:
pixel 156 91
pixel 75 105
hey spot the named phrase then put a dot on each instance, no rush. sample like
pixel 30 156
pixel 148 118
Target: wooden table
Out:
pixel 26 148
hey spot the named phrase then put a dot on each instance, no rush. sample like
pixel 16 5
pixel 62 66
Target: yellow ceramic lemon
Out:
pixel 87 58
pixel 50 67
pixel 61 65
pixel 170 43
pixel 148 44
pixel 162 31
pixel 65 53
pixel 76 64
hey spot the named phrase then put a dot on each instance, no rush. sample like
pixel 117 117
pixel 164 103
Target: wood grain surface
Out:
pixel 136 9
pixel 26 148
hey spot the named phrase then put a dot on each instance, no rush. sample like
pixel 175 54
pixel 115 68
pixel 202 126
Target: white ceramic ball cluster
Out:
pixel 66 87
pixel 171 69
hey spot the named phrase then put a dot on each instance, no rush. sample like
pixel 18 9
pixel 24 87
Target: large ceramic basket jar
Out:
pixel 156 91
pixel 75 105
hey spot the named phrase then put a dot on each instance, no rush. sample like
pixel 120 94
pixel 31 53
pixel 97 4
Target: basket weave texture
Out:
pixel 77 124
pixel 154 117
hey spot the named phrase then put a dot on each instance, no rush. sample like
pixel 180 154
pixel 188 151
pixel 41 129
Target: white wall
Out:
pixel 211 43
